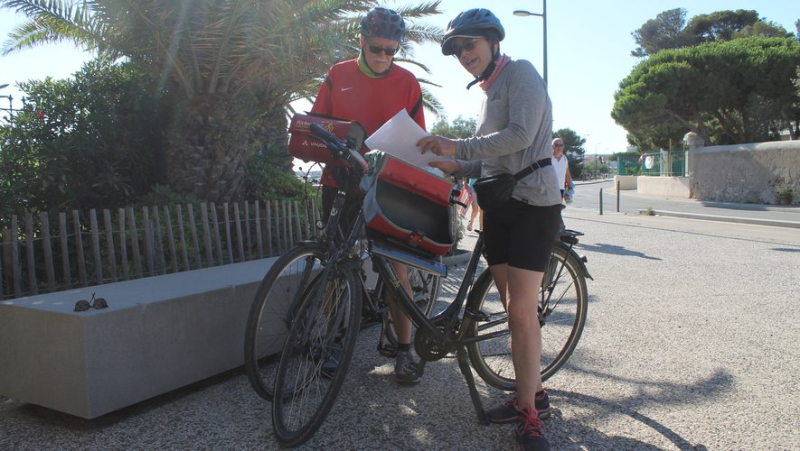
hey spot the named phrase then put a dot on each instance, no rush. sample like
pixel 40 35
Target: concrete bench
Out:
pixel 158 334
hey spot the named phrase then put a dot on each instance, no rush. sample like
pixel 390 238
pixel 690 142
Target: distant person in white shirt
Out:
pixel 561 163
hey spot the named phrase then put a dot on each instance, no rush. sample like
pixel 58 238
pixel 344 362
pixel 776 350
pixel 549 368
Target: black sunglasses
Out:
pixel 376 49
pixel 84 305
pixel 467 45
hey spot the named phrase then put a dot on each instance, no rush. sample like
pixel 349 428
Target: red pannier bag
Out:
pixel 305 146
pixel 408 206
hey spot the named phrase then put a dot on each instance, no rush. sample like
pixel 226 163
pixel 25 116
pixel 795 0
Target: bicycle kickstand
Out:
pixel 463 364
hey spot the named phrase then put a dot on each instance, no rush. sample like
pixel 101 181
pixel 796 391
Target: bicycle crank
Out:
pixel 428 348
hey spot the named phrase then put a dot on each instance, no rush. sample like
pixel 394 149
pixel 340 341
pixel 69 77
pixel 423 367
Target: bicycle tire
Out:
pixel 425 289
pixel 309 375
pixel 564 300
pixel 271 314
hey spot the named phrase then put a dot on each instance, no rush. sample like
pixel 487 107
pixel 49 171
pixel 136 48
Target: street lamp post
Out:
pixel 543 15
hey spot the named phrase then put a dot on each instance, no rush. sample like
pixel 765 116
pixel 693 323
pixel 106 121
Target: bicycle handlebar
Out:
pixel 339 148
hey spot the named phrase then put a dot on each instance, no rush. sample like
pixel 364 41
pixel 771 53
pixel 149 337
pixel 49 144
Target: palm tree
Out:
pixel 227 69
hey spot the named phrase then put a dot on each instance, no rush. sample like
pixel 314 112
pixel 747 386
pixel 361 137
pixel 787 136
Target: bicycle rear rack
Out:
pixel 410 260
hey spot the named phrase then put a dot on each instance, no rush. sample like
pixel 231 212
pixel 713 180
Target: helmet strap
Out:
pixel 489 69
pixel 364 66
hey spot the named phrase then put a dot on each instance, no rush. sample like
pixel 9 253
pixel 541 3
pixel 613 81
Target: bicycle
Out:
pixel 324 316
pixel 271 313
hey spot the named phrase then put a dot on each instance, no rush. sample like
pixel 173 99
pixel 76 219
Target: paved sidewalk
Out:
pixel 690 343
pixel 630 202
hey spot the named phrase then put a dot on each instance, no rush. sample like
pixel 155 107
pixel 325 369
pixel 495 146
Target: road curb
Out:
pixel 736 219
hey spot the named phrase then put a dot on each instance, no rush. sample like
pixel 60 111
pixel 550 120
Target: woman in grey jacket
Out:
pixel 514 132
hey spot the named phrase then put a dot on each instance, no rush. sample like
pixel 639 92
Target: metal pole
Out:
pixel 601 201
pixel 544 21
pixel 617 196
pixel 543 15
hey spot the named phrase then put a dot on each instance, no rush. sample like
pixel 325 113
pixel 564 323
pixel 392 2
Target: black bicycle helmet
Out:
pixel 383 23
pixel 471 23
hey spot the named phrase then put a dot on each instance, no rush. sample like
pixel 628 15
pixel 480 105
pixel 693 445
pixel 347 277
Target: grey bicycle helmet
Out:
pixel 471 23
pixel 383 23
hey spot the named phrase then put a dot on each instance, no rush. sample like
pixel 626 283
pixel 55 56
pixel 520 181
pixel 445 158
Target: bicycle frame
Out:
pixel 438 336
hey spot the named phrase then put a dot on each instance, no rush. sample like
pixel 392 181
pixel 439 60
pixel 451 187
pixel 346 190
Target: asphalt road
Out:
pixel 587 196
pixel 690 343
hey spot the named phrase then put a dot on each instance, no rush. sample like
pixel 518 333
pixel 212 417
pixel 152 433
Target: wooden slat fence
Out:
pixel 93 248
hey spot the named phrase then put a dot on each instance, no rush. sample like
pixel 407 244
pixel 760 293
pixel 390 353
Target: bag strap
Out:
pixel 536 165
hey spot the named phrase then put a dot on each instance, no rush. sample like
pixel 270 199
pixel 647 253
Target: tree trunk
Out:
pixel 212 140
pixel 208 148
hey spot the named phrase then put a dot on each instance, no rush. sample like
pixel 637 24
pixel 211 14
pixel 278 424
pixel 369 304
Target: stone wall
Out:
pixel 745 173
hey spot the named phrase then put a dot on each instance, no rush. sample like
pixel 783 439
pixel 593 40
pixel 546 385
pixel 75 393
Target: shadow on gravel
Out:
pixel 614 249
pixel 43 416
pixel 785 249
pixel 649 394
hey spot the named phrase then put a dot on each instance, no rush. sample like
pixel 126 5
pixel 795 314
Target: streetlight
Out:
pixel 543 15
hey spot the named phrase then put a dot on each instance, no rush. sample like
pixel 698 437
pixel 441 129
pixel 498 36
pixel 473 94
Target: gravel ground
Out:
pixel 690 343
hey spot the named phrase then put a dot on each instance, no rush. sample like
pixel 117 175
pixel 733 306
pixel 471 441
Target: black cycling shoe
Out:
pixel 332 362
pixel 406 369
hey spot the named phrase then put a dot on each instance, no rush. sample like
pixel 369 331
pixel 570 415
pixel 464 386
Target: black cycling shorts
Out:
pixel 521 235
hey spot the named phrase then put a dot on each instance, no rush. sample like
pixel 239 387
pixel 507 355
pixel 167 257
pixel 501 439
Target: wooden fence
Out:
pixel 39 254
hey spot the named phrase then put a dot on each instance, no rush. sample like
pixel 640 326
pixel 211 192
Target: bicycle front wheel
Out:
pixel 272 311
pixel 316 355
pixel 562 313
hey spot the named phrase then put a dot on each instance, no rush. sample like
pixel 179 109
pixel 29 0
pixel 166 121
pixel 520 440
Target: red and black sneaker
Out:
pixel 508 412
pixel 529 431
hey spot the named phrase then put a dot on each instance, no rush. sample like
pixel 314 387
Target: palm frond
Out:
pixel 51 21
pixel 431 103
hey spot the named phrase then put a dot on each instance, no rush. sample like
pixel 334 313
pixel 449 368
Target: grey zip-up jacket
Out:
pixel 515 129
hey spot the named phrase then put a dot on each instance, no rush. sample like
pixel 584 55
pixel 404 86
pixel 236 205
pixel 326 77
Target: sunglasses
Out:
pixel 559 145
pixel 376 49
pixel 84 305
pixel 467 45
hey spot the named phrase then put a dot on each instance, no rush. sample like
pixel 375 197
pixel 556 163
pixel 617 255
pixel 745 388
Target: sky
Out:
pixel 589 44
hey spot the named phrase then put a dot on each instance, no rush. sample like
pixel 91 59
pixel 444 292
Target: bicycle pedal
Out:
pixel 479 315
pixel 388 351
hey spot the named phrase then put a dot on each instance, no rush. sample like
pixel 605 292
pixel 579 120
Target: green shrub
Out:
pixel 266 180
pixel 88 142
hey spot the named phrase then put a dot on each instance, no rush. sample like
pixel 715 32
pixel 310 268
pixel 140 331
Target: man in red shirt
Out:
pixel 370 90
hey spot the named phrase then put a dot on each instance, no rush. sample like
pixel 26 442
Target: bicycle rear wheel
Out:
pixel 424 289
pixel 563 303
pixel 562 306
pixel 316 356
pixel 271 312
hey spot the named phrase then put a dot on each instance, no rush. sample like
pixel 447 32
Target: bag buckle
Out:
pixel 415 237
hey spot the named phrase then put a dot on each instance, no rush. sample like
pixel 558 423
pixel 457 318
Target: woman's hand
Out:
pixel 438 145
pixel 448 167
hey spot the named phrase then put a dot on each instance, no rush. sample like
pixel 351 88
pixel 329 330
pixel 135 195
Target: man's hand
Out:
pixel 448 167
pixel 438 145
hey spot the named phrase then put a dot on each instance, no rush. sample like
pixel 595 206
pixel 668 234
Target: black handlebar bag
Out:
pixel 493 192
pixel 407 206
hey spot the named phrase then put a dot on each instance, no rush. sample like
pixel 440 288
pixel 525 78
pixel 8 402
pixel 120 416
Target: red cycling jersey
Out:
pixel 348 93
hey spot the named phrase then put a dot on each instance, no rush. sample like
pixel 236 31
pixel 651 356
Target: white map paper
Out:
pixel 399 137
